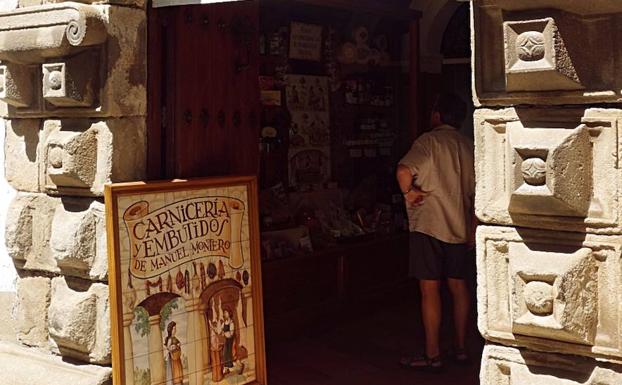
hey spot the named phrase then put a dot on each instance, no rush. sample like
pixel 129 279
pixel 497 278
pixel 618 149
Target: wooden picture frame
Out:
pixel 185 282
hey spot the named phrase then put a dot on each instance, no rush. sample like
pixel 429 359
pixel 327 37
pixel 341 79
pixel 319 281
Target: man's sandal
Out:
pixel 423 363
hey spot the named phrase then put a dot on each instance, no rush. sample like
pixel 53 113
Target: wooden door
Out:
pixel 204 96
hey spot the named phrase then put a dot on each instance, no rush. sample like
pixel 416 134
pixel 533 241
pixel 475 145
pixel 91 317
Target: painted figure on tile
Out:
pixel 216 346
pixel 173 346
pixel 228 331
pixel 295 97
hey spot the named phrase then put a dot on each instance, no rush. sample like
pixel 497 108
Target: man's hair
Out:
pixel 452 109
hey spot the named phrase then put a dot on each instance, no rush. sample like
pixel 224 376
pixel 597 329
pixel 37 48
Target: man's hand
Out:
pixel 415 197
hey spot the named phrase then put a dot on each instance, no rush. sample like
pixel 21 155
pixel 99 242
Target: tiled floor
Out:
pixel 366 351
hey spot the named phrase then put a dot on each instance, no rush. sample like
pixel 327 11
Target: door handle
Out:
pixel 222 25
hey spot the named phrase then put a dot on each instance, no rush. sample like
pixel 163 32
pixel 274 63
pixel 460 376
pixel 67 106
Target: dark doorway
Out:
pixel 341 315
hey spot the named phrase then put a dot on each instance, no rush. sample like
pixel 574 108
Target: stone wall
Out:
pixel 549 190
pixel 73 100
pixel 7 270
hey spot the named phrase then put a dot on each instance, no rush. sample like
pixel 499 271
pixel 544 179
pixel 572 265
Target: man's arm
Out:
pixel 413 195
pixel 404 178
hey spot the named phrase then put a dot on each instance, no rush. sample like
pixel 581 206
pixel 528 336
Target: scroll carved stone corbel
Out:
pixel 33 34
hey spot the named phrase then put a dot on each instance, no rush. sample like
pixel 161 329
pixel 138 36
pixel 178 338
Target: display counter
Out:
pixel 305 291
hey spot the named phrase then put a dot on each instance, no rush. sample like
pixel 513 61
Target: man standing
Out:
pixel 438 183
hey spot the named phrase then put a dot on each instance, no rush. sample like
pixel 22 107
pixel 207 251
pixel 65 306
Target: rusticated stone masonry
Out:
pixel 73 100
pixel 548 166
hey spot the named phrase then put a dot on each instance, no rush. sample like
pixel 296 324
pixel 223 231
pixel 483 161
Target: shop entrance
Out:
pixel 320 99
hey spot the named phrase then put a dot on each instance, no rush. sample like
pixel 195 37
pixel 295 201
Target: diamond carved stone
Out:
pixel 539 298
pixel 536 57
pixel 55 80
pixel 55 157
pixel 550 288
pixel 582 168
pixel 552 170
pixel 534 171
pixel 530 46
pixel 72 158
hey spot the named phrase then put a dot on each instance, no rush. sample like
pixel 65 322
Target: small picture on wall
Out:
pixel 271 98
pixel 309 167
pixel 309 129
pixel 305 42
pixel 308 93
pixel 309 153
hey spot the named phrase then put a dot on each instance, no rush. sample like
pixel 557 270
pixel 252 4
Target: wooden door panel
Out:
pixel 184 130
pixel 223 60
pixel 213 101
pixel 244 152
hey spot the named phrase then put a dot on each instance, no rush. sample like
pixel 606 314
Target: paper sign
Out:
pixel 305 42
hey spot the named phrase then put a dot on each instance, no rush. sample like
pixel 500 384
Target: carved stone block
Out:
pixel 28 230
pixel 557 299
pixel 507 366
pixel 57 235
pixel 546 52
pixel 79 321
pixel 550 291
pixel 76 226
pixel 32 302
pixel 21 149
pixel 74 157
pixel 71 158
pixel 536 58
pixel 73 83
pixel 16 85
pixel 80 156
pixel 552 169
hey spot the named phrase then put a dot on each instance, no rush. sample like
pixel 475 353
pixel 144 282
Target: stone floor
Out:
pixel 365 350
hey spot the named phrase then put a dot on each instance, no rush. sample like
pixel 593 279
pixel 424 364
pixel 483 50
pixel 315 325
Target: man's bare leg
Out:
pixel 431 313
pixel 462 303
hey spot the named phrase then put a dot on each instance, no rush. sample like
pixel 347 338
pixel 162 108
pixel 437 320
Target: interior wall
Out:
pixel 437 76
pixel 435 17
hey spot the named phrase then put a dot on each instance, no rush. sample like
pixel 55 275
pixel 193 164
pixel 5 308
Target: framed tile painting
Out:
pixel 185 282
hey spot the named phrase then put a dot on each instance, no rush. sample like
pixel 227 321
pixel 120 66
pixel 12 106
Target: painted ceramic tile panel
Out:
pixel 186 283
pixel 309 154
